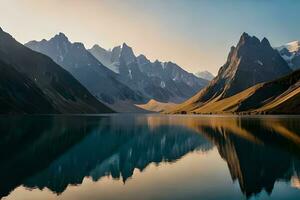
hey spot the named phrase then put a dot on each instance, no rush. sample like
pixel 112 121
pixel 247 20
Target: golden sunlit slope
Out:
pixel 281 96
pixel 156 106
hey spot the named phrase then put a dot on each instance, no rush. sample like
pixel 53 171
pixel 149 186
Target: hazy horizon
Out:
pixel 196 35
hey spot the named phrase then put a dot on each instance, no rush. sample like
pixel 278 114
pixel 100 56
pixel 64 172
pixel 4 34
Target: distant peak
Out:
pixel 96 46
pixel 265 42
pixel 245 35
pixel 61 36
pixel 125 46
pixel 79 45
pixel 142 59
pixel 142 56
pixel 127 54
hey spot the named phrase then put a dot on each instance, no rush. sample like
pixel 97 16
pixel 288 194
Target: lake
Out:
pixel 149 157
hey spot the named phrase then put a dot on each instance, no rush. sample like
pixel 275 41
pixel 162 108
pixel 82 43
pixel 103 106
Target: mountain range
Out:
pixel 251 63
pixel 256 78
pixel 123 79
pixel 161 81
pixel 99 80
pixel 32 83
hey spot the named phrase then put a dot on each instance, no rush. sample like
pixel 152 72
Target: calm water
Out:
pixel 149 157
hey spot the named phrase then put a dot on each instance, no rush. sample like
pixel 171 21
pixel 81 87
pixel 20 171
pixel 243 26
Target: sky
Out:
pixel 195 34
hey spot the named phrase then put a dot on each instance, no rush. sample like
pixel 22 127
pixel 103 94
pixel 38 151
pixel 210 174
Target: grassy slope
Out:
pixel 281 96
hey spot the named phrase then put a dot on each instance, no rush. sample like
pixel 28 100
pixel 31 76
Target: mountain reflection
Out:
pixel 53 152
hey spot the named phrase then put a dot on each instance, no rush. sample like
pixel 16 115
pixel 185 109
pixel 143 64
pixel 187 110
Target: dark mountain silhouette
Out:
pixel 18 94
pixel 60 89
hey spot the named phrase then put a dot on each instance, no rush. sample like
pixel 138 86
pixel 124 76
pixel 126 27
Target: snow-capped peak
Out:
pixel 292 47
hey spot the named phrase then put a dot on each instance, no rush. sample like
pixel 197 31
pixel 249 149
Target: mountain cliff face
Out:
pixel 164 82
pixel 251 62
pixel 99 80
pixel 40 81
pixel 291 54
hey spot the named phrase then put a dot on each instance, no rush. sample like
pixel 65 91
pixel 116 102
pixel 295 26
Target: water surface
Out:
pixel 149 157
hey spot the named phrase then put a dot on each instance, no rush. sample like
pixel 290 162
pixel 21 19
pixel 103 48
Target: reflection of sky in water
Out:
pixel 170 157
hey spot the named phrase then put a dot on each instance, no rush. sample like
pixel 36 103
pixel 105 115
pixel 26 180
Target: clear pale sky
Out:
pixel 196 34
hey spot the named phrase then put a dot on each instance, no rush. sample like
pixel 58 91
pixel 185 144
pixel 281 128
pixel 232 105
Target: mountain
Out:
pixel 205 75
pixel 281 96
pixel 251 62
pixel 99 80
pixel 291 53
pixel 33 83
pixel 161 81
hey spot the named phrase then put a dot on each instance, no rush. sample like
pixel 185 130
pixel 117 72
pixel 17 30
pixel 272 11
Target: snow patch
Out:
pixel 162 84
pixel 130 74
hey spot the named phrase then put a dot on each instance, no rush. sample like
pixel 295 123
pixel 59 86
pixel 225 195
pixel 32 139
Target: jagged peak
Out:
pixel 127 52
pixel 157 61
pixel 97 47
pixel 79 45
pixel 127 48
pixel 61 36
pixel 245 35
pixel 143 58
pixel 265 42
pixel 124 45
pixel 247 39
